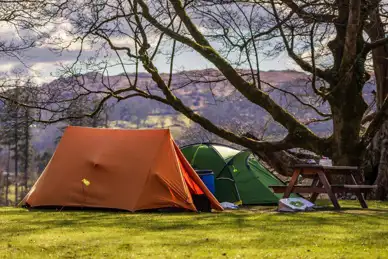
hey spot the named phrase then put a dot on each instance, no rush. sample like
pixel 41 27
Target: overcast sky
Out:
pixel 44 63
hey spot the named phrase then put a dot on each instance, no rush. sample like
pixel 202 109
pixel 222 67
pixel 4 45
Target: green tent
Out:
pixel 239 175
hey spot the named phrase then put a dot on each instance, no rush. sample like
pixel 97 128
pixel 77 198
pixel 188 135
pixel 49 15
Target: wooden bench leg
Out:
pixel 291 184
pixel 358 193
pixel 326 185
pixel 361 199
pixel 315 183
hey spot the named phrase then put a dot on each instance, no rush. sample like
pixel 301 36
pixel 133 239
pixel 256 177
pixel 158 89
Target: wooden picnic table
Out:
pixel 322 183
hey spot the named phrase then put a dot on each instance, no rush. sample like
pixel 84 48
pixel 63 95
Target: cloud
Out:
pixel 6 67
pixel 43 61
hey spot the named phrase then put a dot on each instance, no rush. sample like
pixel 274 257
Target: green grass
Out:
pixel 11 195
pixel 258 232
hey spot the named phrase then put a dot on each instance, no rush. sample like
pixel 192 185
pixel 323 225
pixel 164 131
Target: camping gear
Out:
pixel 119 169
pixel 239 176
pixel 325 161
pixel 294 205
pixel 229 205
pixel 207 177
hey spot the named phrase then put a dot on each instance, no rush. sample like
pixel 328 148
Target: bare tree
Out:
pixel 329 40
pixel 15 124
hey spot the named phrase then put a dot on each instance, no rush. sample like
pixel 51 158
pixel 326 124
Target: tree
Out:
pixel 7 175
pixel 377 154
pixel 83 106
pixel 15 133
pixel 333 41
pixel 26 149
pixel 24 24
pixel 196 134
pixel 11 131
pixel 19 17
pixel 42 160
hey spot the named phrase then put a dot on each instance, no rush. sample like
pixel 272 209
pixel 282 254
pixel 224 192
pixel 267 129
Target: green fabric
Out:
pixel 253 180
pixel 203 157
pixel 226 152
pixel 234 168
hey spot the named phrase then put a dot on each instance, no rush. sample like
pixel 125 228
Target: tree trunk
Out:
pixel 347 84
pixel 26 151
pixel 375 165
pixel 106 120
pixel 7 175
pixel 346 148
pixel 16 161
pixel 380 57
pixel 382 171
pixel 2 182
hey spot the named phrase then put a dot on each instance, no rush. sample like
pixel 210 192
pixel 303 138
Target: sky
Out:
pixel 43 63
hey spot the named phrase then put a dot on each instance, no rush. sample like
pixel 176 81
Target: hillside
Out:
pixel 217 101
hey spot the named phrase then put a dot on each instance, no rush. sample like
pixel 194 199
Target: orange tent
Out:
pixel 121 169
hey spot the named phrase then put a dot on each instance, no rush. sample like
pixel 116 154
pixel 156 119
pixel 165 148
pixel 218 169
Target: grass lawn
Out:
pixel 258 232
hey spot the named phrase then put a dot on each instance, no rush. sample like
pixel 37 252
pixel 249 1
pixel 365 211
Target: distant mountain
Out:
pixel 217 101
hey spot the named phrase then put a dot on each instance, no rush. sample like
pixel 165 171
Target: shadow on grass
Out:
pixel 198 230
pixel 21 222
pixel 106 219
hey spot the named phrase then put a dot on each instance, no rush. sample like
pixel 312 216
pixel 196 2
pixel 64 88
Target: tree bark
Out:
pixel 346 147
pixel 382 169
pixel 16 160
pixel 2 183
pixel 375 167
pixel 7 175
pixel 26 150
pixel 380 57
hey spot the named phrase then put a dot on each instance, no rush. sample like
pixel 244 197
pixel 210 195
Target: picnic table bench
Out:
pixel 322 183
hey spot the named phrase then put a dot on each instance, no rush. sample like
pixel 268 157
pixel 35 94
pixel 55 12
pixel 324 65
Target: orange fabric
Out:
pixel 126 169
pixel 194 176
pixel 194 188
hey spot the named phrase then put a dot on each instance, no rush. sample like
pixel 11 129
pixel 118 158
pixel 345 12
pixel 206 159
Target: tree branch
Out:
pixel 380 117
pixel 352 35
pixel 255 95
pixel 290 141
pixel 299 100
pixel 309 17
pixel 326 75
pixel 368 118
pixel 376 44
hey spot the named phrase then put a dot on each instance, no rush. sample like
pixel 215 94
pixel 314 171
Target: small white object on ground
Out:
pixel 294 205
pixel 325 161
pixel 229 205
